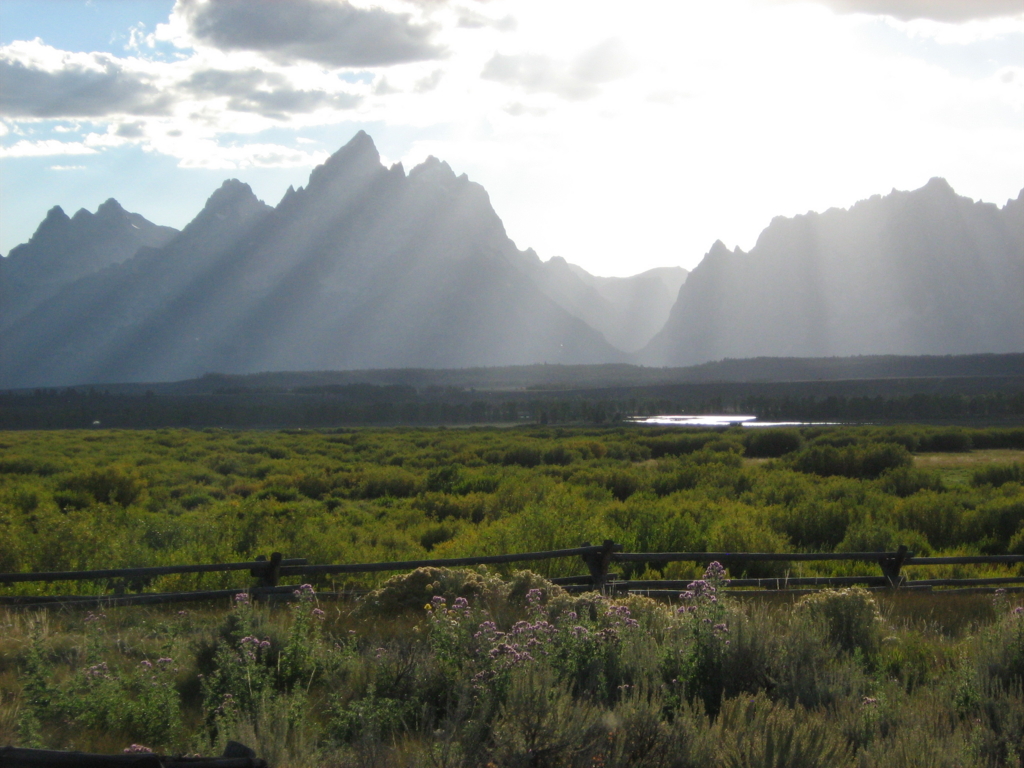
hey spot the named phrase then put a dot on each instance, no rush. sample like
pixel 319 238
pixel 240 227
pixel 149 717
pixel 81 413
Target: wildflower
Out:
pixel 135 749
pixel 164 660
pixel 242 598
pixel 319 613
pixel 1018 610
pixel 486 629
pixel 870 702
pixel 622 615
pixel 147 664
pixel 461 604
pixel 90 617
pixel 182 614
pixel 714 572
pixel 305 590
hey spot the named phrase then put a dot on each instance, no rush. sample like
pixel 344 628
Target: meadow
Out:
pixel 471 667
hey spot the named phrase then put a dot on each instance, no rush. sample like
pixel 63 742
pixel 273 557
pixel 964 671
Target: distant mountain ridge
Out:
pixel 368 267
pixel 364 267
pixel 628 311
pixel 924 272
pixel 65 249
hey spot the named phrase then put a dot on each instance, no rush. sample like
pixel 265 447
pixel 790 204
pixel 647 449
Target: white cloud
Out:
pixel 580 78
pixel 46 147
pixel 333 33
pixel 42 82
pixel 210 154
pixel 952 11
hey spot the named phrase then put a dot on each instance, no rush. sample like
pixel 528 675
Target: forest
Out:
pixel 975 401
pixel 468 667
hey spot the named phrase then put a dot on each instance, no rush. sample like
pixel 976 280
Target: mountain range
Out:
pixel 373 267
pixel 925 272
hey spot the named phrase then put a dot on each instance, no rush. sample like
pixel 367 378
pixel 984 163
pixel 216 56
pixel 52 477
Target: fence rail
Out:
pixel 597 559
pixel 235 756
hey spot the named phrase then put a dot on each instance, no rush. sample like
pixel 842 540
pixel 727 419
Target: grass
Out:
pixel 957 469
pixel 848 678
pixel 843 679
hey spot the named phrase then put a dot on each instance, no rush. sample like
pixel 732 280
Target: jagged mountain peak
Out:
pixel 938 183
pixel 232 199
pixel 108 211
pixel 718 250
pixel 109 207
pixel 357 158
pixel 54 215
pixel 434 169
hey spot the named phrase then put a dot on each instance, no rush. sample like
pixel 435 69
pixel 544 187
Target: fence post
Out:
pixel 270 573
pixel 892 564
pixel 598 563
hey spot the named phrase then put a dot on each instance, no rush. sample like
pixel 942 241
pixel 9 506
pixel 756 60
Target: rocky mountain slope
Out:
pixel 368 267
pixel 912 273
pixel 65 249
pixel 365 267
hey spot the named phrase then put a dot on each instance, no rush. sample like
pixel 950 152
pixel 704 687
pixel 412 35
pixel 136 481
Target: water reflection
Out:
pixel 719 420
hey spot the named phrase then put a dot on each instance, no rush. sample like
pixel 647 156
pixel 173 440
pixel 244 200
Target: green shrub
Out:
pixel 850 617
pixel 542 724
pixel 758 733
pixel 444 479
pixel 15 465
pixel 1001 647
pixel 945 441
pixel 856 461
pixel 112 485
pixel 437 534
pixel 906 481
pixel 998 474
pixel 677 445
pixel 388 481
pixel 772 443
pixel 523 456
pixel 411 591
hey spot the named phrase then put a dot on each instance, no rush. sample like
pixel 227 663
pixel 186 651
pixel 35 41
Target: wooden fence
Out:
pixel 598 560
pixel 235 756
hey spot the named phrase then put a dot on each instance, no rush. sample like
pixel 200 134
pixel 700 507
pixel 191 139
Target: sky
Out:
pixel 620 136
